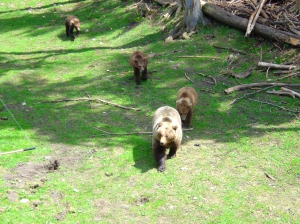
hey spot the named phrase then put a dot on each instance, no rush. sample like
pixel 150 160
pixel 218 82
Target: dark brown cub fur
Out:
pixel 71 23
pixel 138 62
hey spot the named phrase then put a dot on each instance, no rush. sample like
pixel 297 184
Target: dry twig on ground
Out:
pixel 89 99
pixel 133 133
pixel 274 105
pixel 260 84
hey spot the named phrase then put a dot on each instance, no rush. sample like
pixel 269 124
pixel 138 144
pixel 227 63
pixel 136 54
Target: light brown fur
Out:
pixel 167 133
pixel 186 100
pixel 138 61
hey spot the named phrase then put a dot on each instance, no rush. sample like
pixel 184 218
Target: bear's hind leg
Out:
pixel 137 76
pixel 188 119
pixel 67 30
pixel 71 32
pixel 145 74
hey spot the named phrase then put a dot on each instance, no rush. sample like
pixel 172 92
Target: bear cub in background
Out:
pixel 186 100
pixel 167 133
pixel 138 61
pixel 71 23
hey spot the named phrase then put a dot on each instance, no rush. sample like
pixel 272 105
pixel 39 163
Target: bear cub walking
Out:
pixel 167 133
pixel 71 23
pixel 138 61
pixel 186 100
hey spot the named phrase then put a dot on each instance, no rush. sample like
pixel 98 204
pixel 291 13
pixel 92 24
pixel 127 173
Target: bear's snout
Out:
pixel 162 143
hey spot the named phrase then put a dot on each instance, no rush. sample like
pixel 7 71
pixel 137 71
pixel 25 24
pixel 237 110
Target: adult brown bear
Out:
pixel 167 133
pixel 186 100
pixel 71 23
pixel 138 61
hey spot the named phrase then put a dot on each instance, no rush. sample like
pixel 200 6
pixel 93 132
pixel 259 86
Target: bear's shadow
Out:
pixel 63 37
pixel 143 157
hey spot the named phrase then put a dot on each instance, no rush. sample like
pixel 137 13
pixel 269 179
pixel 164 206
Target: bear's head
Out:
pixel 165 133
pixel 76 23
pixel 183 107
pixel 140 63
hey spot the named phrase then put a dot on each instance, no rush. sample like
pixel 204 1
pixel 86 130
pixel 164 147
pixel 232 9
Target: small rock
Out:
pixel 24 200
pixel 75 190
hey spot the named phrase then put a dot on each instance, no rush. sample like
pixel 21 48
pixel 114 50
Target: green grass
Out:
pixel 113 178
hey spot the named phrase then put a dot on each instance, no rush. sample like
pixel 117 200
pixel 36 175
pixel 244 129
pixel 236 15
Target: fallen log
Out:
pixel 230 19
pixel 260 84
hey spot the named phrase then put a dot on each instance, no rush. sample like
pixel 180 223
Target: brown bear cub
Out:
pixel 138 62
pixel 167 133
pixel 71 23
pixel 186 100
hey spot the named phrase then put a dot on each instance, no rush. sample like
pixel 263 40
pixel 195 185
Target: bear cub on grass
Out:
pixel 138 61
pixel 186 100
pixel 167 133
pixel 71 23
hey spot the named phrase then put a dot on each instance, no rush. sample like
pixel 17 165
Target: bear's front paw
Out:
pixel 161 168
pixel 171 156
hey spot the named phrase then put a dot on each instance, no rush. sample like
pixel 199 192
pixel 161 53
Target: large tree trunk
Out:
pixel 192 16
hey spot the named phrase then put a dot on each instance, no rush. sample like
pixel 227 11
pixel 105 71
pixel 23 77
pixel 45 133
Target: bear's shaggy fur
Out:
pixel 71 23
pixel 138 61
pixel 186 100
pixel 167 133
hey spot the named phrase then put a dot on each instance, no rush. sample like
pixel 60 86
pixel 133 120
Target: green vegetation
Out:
pixel 240 164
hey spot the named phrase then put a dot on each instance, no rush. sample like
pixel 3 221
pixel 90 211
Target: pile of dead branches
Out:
pixel 281 16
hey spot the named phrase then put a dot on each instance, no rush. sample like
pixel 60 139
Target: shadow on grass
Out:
pixel 143 157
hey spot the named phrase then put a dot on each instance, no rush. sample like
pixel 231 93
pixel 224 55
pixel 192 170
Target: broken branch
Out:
pixel 134 133
pixel 229 48
pixel 260 84
pixel 198 57
pixel 89 99
pixel 281 107
pixel 281 92
pixel 275 66
pixel 188 78
pixel 253 18
pixel 208 76
pixel 248 94
pixel 287 76
pixel 245 73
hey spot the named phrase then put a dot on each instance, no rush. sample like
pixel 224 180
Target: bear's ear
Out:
pixel 175 127
pixel 160 124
